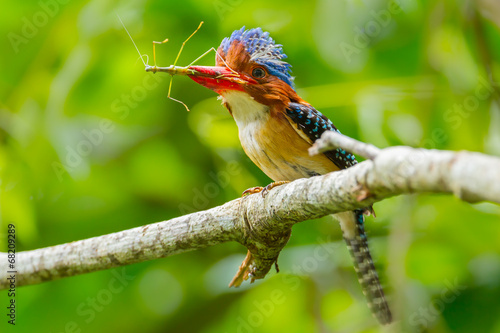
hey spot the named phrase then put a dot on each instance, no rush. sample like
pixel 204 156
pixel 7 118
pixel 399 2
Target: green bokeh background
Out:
pixel 70 75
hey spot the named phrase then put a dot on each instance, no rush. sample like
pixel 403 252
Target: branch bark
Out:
pixel 263 224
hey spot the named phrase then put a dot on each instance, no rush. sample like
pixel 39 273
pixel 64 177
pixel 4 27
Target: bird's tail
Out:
pixel 352 224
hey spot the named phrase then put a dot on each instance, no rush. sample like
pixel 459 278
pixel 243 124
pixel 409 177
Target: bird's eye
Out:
pixel 258 73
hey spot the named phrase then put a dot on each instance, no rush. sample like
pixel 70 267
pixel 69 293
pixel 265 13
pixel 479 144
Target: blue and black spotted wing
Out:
pixel 311 124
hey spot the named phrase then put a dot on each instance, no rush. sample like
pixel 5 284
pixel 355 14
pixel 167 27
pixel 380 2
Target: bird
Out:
pixel 276 127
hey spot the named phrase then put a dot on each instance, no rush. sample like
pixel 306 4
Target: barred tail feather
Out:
pixel 352 224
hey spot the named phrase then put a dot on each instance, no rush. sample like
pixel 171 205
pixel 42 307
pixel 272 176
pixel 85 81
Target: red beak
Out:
pixel 219 78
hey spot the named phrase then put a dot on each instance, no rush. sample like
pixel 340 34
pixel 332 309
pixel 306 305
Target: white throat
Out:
pixel 245 109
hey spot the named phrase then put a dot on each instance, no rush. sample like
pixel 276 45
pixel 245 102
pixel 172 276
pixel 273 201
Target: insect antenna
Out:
pixel 128 33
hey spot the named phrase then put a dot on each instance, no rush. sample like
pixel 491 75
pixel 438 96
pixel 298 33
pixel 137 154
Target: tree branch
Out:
pixel 263 224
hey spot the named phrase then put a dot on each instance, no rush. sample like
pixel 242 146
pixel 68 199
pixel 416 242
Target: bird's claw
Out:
pixel 263 190
pixel 257 189
pixel 252 190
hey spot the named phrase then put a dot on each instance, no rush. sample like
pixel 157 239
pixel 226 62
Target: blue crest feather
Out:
pixel 263 50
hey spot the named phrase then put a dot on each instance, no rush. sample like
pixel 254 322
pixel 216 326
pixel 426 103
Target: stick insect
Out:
pixel 173 69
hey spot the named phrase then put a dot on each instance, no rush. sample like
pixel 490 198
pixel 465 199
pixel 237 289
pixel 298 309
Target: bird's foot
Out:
pixel 264 190
pixel 252 190
pixel 244 272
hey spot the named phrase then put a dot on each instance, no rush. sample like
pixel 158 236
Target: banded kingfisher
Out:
pixel 276 127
